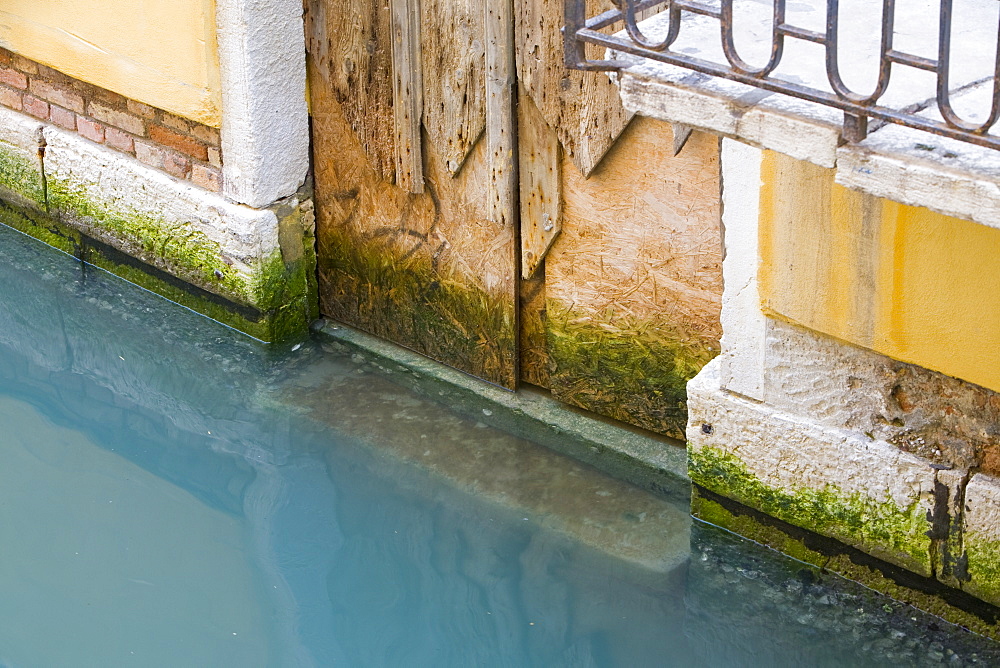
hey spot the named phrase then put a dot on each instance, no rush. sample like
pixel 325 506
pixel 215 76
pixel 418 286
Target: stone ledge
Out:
pixel 62 186
pixel 909 166
pixel 647 460
pixel 21 176
pixel 863 492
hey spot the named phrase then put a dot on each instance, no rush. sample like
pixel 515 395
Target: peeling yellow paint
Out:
pixel 904 281
pixel 162 53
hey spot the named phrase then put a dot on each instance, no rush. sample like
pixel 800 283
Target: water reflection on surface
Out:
pixel 175 494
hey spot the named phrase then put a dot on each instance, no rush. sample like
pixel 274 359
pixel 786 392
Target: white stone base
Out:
pixel 244 256
pixel 861 491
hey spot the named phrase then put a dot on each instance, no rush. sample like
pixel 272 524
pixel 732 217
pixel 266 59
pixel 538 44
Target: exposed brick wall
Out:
pixel 182 148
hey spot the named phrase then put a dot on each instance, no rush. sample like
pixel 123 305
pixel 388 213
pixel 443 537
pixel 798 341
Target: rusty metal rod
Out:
pixel 857 107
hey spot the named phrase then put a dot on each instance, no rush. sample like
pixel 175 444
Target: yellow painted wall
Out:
pixel 161 52
pixel 907 282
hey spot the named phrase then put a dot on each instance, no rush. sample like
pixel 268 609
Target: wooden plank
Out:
pixel 634 282
pixel 407 90
pixel 454 60
pixel 349 46
pixel 540 175
pixel 501 123
pixel 583 107
pixel 429 271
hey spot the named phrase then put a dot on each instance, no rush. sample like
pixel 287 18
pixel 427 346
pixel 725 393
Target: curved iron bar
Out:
pixel 632 26
pixel 777 41
pixel 857 107
pixel 943 72
pixel 833 58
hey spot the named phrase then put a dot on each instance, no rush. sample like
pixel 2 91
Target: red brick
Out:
pixel 57 95
pixel 150 153
pixel 122 141
pixel 119 119
pixel 215 157
pixel 13 78
pixel 162 158
pixel 176 164
pixel 92 130
pixel 177 141
pixel 6 57
pixel 64 118
pixel 207 134
pixel 25 65
pixel 110 98
pixel 55 77
pixel 35 107
pixel 10 98
pixel 208 178
pixel 140 109
pixel 175 122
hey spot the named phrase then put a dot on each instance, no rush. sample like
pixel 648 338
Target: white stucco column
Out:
pixel 265 127
pixel 743 322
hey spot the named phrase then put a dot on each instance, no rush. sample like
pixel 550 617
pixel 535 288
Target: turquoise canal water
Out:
pixel 174 494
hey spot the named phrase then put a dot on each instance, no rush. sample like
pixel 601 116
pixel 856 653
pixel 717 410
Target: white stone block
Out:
pixel 982 536
pixel 864 492
pixel 265 123
pixel 21 175
pixel 165 222
pixel 886 168
pixel 742 357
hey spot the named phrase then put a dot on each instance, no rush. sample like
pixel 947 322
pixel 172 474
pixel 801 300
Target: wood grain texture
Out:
pixel 429 271
pixel 501 120
pixel 540 176
pixel 634 283
pixel 454 63
pixel 407 91
pixel 583 107
pixel 350 54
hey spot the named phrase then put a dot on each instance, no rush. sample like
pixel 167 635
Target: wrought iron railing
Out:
pixel 858 108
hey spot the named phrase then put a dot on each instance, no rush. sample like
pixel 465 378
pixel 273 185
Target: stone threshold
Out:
pixel 649 461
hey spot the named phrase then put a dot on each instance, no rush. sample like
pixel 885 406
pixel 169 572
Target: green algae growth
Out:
pixel 880 528
pixel 432 310
pixel 636 372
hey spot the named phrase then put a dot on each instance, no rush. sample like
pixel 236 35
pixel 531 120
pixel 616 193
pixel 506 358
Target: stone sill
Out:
pixel 894 162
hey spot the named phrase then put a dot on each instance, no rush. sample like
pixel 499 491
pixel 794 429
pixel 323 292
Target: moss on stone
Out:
pixel 984 566
pixel 406 299
pixel 40 226
pixel 879 528
pixel 181 250
pixel 636 372
pixel 284 285
pixel 21 175
pixel 709 511
pixel 841 562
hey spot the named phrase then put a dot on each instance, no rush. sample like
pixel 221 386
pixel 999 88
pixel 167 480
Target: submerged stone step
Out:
pixel 566 496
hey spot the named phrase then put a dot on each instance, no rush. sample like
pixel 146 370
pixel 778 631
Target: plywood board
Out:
pixel 583 107
pixel 407 91
pixel 454 63
pixel 350 55
pixel 634 283
pixel 501 120
pixel 540 175
pixel 428 271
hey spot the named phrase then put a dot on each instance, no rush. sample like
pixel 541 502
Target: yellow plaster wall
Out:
pixel 912 284
pixel 161 52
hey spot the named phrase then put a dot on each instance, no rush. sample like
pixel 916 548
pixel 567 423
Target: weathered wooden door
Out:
pixel 426 238
pixel 416 200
